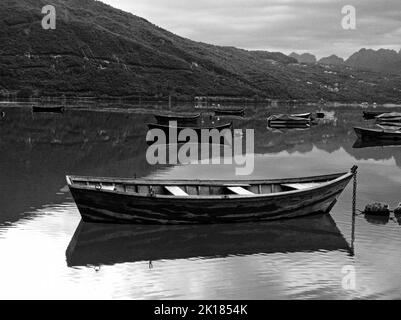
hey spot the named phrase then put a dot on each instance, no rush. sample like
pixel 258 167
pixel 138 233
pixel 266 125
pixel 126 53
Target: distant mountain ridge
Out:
pixel 303 58
pixel 99 51
pixel 382 60
pixel 332 60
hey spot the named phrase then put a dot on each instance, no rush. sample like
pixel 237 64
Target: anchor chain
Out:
pixel 354 191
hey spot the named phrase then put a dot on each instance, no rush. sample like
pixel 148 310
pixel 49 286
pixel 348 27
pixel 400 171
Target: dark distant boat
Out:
pixel 302 115
pixel 229 112
pixel 285 121
pixel 180 118
pixel 372 114
pixel 370 143
pixel 220 110
pixel 144 201
pixel 57 109
pixel 377 134
pixel 105 244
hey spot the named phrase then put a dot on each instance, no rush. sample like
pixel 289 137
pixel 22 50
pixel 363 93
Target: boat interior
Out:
pixel 199 188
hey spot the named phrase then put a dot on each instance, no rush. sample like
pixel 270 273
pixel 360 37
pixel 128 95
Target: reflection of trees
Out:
pixel 37 151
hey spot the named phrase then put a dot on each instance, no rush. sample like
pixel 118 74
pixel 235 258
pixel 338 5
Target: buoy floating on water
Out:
pixel 378 209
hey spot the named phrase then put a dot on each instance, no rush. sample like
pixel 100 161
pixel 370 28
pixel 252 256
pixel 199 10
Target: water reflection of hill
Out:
pixel 37 151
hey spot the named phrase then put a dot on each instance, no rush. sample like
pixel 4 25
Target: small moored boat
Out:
pixel 283 121
pixel 302 115
pixel 372 114
pixel 372 134
pixel 57 109
pixel 180 118
pixel 240 112
pixel 144 201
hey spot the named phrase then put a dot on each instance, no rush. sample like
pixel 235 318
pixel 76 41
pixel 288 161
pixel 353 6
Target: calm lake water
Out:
pixel 47 252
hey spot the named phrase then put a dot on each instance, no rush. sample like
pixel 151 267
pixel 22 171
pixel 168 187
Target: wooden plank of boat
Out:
pixel 364 133
pixel 390 115
pixel 389 120
pixel 38 109
pixel 103 244
pixel 389 124
pixel 144 201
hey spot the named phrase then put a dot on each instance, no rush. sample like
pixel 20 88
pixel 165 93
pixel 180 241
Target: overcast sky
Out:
pixel 276 25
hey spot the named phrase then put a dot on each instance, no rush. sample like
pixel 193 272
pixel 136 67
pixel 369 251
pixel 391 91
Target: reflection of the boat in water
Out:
pixel 100 244
pixel 359 143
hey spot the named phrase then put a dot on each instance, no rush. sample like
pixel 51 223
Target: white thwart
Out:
pixel 176 191
pixel 240 191
pixel 302 186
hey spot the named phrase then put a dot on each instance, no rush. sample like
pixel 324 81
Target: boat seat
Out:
pixel 176 191
pixel 301 186
pixel 108 188
pixel 240 191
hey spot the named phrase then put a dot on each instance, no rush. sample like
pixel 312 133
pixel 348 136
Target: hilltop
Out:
pixel 100 51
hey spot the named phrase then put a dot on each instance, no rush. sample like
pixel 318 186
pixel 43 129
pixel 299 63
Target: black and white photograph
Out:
pixel 197 150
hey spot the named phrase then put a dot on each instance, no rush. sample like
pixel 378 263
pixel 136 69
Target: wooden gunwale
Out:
pixel 338 178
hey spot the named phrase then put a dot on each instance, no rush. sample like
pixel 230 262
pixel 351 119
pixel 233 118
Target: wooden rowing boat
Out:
pixel 104 244
pixel 38 109
pixel 219 110
pixel 372 134
pixel 287 121
pixel 144 201
pixel 302 115
pixel 372 114
pixel 180 118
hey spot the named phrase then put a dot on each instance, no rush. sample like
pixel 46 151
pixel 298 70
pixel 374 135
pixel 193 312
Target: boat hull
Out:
pixel 228 112
pixel 372 134
pixel 48 109
pixel 181 120
pixel 370 115
pixel 114 207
